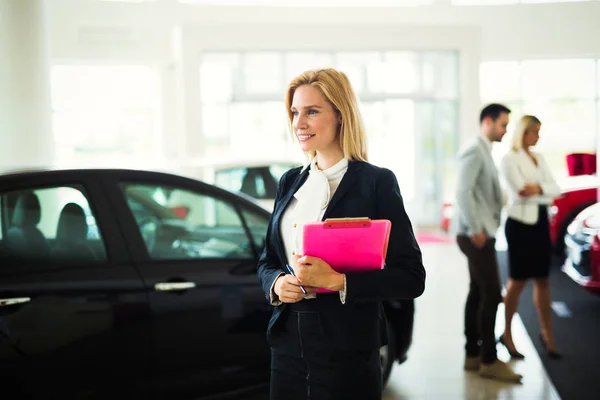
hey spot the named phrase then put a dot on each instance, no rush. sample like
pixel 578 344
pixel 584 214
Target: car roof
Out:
pixel 19 175
pixel 41 172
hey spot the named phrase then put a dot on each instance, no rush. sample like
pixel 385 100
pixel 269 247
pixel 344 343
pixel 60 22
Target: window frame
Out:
pixel 255 246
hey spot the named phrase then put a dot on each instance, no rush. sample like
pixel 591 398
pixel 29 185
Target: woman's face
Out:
pixel 532 136
pixel 315 122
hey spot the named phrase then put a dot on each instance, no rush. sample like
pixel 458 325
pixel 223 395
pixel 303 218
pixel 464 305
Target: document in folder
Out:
pixel 348 244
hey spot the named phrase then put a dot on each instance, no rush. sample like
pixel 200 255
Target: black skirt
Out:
pixel 529 247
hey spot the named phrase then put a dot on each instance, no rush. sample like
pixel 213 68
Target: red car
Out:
pixel 583 249
pixel 577 193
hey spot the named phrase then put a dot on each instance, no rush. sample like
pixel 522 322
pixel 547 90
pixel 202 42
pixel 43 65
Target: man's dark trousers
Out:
pixel 483 299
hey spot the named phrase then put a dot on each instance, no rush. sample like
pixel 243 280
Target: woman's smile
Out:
pixel 304 137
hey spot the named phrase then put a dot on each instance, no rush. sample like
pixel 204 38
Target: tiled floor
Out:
pixel 434 368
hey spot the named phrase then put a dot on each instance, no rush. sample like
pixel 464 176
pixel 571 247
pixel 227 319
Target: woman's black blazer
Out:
pixel 365 191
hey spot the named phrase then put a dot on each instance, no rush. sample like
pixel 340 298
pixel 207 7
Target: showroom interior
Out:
pixel 186 87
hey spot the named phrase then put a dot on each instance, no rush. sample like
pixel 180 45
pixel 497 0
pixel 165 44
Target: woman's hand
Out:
pixel 287 288
pixel 530 190
pixel 314 272
pixel 479 239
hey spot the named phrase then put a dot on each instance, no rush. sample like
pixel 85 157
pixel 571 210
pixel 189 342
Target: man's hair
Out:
pixel 493 111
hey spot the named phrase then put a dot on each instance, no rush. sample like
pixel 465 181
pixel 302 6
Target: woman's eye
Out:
pixel 312 112
pixel 295 113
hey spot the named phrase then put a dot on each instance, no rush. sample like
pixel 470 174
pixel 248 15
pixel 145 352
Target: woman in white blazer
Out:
pixel 531 189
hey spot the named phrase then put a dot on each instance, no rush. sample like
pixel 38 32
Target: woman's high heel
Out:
pixel 551 353
pixel 514 354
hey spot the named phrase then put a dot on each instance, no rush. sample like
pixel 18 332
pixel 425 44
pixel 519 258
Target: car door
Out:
pixel 73 312
pixel 199 266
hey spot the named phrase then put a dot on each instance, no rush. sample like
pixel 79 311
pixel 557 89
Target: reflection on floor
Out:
pixel 434 366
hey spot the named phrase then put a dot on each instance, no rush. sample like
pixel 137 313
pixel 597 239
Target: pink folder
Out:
pixel 348 244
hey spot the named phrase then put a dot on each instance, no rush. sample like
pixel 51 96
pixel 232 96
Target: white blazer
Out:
pixel 518 169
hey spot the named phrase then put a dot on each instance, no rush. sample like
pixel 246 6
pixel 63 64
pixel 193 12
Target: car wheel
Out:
pixel 387 356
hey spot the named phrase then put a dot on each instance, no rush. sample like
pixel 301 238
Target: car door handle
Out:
pixel 14 300
pixel 173 286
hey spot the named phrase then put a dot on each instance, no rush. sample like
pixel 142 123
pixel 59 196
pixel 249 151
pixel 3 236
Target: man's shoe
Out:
pixel 472 363
pixel 500 371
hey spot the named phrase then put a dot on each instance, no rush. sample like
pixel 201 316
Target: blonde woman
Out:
pixel 531 189
pixel 326 346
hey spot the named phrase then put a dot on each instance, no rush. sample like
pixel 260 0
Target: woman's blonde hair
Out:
pixel 526 123
pixel 336 88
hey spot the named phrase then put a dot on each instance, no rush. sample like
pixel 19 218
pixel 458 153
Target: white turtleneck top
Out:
pixel 309 205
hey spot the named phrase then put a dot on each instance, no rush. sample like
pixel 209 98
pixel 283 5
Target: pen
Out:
pixel 291 271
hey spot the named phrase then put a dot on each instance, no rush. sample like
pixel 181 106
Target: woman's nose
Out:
pixel 299 121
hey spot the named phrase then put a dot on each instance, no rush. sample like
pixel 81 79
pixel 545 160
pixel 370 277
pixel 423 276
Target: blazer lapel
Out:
pixel 345 185
pixel 494 171
pixel 284 203
pixel 498 191
pixel 495 180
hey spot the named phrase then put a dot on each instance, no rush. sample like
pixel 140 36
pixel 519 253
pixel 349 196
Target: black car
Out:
pixel 121 283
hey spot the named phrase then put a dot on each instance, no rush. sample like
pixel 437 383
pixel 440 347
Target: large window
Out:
pixel 105 114
pixel 563 94
pixel 409 101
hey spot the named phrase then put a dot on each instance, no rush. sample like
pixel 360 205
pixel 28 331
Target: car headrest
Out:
pixel 27 212
pixel 72 225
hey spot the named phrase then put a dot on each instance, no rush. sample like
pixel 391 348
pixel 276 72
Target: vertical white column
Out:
pixel 25 112
pixel 194 143
pixel 185 149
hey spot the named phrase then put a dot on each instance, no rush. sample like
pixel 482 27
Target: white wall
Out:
pixel 517 31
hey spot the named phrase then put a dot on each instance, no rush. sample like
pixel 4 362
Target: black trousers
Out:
pixel 305 366
pixel 483 299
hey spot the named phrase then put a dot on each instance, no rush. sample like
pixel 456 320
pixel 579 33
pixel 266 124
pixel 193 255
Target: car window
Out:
pixel 187 225
pixel 50 226
pixel 257 224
